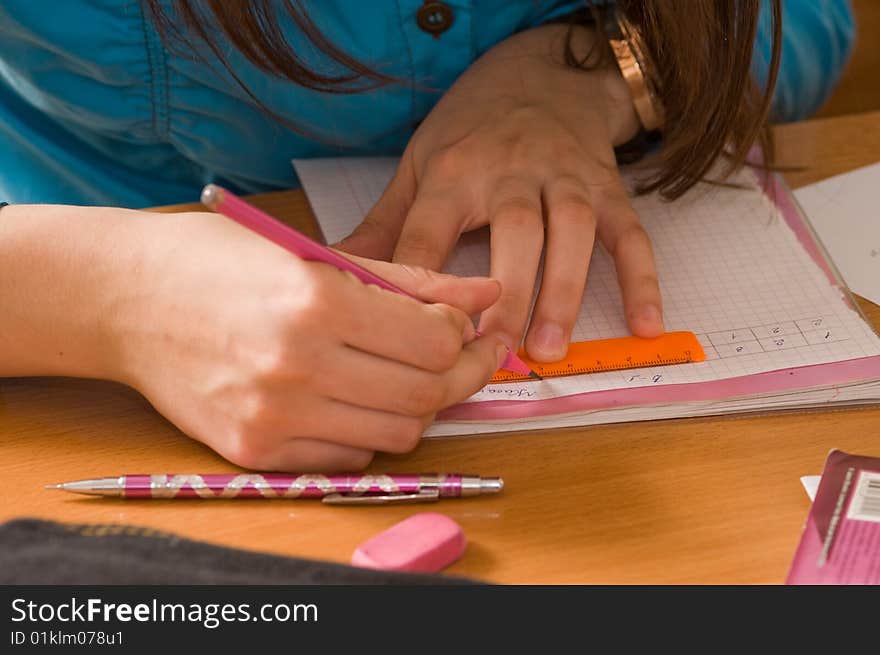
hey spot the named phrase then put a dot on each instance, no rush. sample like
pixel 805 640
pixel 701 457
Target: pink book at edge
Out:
pixel 840 543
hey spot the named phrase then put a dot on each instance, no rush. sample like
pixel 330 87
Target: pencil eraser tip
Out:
pixel 426 542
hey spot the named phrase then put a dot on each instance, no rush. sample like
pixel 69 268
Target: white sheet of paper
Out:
pixel 731 271
pixel 845 213
pixel 811 484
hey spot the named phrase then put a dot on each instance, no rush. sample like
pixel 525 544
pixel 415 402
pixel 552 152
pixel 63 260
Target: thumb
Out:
pixel 376 236
pixel 471 295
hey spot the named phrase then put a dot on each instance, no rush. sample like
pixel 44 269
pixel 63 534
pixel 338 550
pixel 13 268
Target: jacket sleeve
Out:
pixel 817 40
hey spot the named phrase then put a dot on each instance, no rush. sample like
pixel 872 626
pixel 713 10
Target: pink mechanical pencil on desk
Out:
pixel 224 201
pixel 340 489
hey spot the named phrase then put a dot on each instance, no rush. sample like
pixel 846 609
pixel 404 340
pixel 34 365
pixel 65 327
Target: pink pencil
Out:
pixel 227 203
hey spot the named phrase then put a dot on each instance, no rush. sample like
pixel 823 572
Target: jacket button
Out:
pixel 435 17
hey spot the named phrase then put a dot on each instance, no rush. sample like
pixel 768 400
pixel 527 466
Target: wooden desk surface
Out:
pixel 704 500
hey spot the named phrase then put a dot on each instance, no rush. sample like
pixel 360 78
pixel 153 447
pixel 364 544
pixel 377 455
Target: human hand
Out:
pixel 281 364
pixel 523 143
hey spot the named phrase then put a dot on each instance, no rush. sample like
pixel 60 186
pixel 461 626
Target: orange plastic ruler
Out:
pixel 614 355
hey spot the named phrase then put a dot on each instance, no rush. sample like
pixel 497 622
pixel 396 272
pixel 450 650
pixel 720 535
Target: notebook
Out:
pixel 840 541
pixel 739 267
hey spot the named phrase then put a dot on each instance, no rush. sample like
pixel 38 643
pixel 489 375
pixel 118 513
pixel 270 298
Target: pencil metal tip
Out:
pixel 96 487
pixel 535 376
pixel 491 485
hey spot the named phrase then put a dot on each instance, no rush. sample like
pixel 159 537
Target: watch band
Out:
pixel 631 60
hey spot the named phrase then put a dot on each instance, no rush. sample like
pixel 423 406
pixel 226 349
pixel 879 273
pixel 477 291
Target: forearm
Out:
pixel 63 272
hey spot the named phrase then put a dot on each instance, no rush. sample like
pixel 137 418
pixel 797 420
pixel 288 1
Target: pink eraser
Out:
pixel 425 542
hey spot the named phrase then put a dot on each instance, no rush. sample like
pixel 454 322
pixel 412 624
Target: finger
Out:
pixel 430 231
pixel 571 230
pixel 340 423
pixel 469 294
pixel 370 429
pixel 396 327
pixel 313 455
pixel 371 382
pixel 377 234
pixel 479 361
pixel 375 383
pixel 623 236
pixel 389 324
pixel 517 237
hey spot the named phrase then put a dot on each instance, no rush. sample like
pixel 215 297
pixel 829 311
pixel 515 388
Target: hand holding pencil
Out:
pixel 282 364
pixel 251 217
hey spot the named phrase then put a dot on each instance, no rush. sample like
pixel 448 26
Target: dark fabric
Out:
pixel 41 552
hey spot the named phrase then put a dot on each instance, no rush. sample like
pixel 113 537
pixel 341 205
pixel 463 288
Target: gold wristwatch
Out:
pixel 629 52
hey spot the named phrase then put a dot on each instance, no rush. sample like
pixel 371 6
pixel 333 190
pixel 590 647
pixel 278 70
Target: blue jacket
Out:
pixel 95 109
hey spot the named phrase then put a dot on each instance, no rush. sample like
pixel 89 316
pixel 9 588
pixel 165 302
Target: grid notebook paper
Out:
pixel 735 268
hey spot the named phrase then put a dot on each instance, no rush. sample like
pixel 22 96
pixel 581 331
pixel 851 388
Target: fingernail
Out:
pixel 501 351
pixel 550 340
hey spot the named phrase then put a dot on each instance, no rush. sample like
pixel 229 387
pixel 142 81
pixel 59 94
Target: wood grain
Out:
pixel 704 500
pixel 824 147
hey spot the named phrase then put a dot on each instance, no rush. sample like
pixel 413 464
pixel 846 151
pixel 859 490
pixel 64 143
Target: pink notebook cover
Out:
pixel 840 543
pixel 782 380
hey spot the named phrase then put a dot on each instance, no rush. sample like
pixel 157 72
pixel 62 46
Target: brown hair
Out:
pixel 701 60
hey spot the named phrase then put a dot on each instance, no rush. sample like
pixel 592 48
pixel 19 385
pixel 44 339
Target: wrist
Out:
pixel 621 116
pixel 62 272
pixel 133 323
pixel 532 67
pixel 614 95
pixel 598 87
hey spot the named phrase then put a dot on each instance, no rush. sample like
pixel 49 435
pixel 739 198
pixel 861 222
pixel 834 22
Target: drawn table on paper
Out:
pixel 740 271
